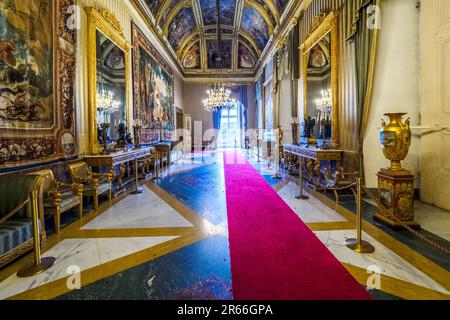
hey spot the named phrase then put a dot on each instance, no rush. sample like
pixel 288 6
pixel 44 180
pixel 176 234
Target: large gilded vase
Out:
pixel 395 139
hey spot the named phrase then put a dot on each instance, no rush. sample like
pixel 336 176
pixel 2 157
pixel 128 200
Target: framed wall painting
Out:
pixel 37 67
pixel 153 91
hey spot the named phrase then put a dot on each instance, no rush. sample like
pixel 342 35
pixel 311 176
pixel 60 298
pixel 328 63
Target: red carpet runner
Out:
pixel 273 253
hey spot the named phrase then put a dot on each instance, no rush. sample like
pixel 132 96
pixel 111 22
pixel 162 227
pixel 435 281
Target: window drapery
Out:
pixel 364 37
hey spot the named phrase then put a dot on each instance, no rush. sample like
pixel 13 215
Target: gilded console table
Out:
pixel 119 158
pixel 314 157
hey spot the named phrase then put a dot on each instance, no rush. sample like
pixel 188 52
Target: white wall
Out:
pixel 396 83
pixel 285 108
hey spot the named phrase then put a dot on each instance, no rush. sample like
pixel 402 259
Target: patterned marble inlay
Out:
pixel 146 210
pixel 83 253
pixel 389 262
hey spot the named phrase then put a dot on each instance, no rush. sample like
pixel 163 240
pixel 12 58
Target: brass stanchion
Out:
pixel 300 196
pixel 137 190
pixel 358 244
pixel 40 264
pixel 277 174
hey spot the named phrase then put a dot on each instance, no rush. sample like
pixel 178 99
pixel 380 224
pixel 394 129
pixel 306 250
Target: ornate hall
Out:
pixel 231 150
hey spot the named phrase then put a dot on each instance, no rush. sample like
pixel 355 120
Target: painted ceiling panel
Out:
pixel 246 60
pixel 227 11
pixel 213 50
pixel 180 27
pixel 254 24
pixel 191 59
pixel 189 27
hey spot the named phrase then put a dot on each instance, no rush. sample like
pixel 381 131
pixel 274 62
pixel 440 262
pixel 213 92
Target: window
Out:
pixel 229 136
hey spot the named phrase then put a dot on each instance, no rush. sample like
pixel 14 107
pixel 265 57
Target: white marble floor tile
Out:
pixel 145 210
pixel 390 263
pixel 311 210
pixel 83 253
pixel 432 219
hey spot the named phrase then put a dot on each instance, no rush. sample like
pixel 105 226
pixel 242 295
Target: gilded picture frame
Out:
pixel 106 23
pixel 323 25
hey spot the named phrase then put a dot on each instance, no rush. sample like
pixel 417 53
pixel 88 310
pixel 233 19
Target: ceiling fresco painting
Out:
pixel 227 11
pixel 188 30
pixel 192 57
pixel 246 60
pixel 254 24
pixel 213 52
pixel 180 27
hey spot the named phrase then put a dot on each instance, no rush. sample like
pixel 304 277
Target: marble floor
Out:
pixel 171 242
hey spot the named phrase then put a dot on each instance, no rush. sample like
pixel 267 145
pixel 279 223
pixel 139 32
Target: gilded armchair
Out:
pixel 16 225
pixel 60 197
pixel 95 184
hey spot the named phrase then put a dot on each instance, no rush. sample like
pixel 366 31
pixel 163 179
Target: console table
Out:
pixel 119 158
pixel 314 158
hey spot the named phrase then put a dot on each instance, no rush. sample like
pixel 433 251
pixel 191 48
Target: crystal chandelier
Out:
pixel 324 103
pixel 106 102
pixel 218 97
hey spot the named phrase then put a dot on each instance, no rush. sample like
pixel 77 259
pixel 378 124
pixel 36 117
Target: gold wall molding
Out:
pixel 322 25
pixel 105 22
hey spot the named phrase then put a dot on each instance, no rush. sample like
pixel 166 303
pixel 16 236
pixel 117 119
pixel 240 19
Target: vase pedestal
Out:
pixel 396 194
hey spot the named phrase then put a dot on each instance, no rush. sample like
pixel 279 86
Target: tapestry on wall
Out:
pixel 37 66
pixel 153 90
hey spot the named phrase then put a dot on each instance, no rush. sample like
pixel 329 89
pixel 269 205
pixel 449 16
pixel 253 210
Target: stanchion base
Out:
pixel 301 197
pixel 137 191
pixel 364 247
pixel 33 269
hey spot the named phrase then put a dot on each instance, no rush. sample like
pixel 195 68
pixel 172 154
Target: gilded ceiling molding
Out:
pixel 289 18
pixel 186 41
pixel 273 9
pixel 173 13
pixel 262 12
pixel 162 9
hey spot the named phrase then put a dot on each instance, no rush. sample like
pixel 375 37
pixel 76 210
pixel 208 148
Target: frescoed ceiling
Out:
pixel 189 30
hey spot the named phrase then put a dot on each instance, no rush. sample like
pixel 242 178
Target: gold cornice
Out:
pixel 321 25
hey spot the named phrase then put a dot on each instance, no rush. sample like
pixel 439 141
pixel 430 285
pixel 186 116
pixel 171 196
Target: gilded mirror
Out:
pixel 320 85
pixel 109 80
